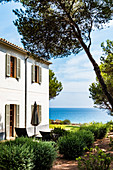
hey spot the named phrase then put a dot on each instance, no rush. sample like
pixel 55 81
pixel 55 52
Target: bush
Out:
pixel 95 161
pixel 58 132
pixel 72 146
pixel 45 154
pixel 86 136
pixel 14 156
pixel 24 153
pixel 100 130
pixel 110 125
pixel 111 143
pixel 66 122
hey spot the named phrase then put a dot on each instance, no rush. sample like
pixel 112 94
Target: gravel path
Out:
pixel 63 164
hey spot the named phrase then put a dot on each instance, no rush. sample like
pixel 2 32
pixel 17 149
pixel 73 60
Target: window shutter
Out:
pixel 33 73
pixel 40 75
pixel 18 68
pixel 7 121
pixel 40 113
pixel 8 65
pixel 32 107
pixel 17 115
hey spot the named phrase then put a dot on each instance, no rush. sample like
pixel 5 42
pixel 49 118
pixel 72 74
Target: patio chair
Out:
pixel 21 132
pixel 45 135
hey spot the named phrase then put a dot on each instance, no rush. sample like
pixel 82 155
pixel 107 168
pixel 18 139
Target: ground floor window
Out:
pixel 39 112
pixel 11 119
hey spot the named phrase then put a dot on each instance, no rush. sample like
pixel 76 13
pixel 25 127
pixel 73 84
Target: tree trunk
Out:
pixel 95 65
pixel 98 74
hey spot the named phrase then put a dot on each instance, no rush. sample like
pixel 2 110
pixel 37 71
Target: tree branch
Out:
pixel 89 35
pixel 107 105
pixel 78 32
pixel 71 5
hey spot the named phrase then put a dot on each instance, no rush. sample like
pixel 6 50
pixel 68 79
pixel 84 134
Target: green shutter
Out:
pixel 7 121
pixel 18 68
pixel 8 65
pixel 40 75
pixel 17 115
pixel 40 113
pixel 33 73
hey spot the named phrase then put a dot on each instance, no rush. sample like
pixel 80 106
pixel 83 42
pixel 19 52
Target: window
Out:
pixel 39 111
pixel 12 66
pixel 36 74
pixel 11 119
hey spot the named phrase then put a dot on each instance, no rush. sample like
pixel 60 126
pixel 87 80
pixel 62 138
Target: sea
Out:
pixel 80 115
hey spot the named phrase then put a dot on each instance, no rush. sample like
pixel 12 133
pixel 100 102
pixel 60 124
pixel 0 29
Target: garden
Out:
pixel 73 145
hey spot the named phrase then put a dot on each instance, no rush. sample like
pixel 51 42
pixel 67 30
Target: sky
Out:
pixel 75 72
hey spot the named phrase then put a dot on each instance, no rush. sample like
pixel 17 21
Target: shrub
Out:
pixel 66 122
pixel 110 125
pixel 25 153
pixel 86 136
pixel 72 146
pixel 20 141
pixel 45 154
pixel 58 132
pixel 16 156
pixel 100 130
pixel 95 161
pixel 111 143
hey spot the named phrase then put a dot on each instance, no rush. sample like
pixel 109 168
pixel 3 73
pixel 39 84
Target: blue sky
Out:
pixel 75 72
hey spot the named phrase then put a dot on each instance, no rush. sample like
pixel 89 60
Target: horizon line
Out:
pixel 71 107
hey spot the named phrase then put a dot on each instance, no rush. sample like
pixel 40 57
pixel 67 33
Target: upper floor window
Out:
pixel 36 74
pixel 12 66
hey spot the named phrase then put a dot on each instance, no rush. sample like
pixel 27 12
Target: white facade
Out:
pixel 12 91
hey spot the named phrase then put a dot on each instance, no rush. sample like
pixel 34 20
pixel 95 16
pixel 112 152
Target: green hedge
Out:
pixel 100 130
pixel 72 145
pixel 24 153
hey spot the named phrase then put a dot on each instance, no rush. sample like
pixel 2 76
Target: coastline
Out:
pixel 80 115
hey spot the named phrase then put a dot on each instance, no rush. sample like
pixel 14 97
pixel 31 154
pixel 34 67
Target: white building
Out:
pixel 23 80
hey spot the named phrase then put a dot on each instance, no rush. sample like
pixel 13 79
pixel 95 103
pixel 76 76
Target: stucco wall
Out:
pixel 12 91
pixel 39 93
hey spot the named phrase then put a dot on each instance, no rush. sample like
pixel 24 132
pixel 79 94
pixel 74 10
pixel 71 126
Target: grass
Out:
pixel 66 127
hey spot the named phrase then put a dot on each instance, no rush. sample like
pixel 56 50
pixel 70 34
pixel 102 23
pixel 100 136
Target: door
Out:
pixel 12 120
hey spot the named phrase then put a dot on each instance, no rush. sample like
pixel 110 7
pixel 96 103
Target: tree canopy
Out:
pixel 58 28
pixel 55 87
pixel 100 100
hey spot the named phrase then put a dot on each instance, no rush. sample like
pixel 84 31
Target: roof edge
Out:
pixel 4 41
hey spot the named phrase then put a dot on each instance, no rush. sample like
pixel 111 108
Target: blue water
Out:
pixel 80 115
